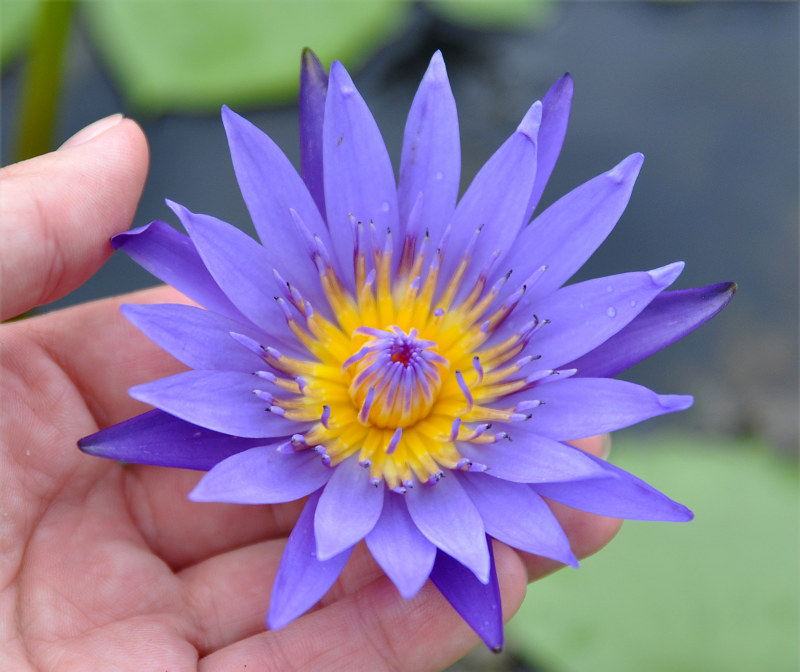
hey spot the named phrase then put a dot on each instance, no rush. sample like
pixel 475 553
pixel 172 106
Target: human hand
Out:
pixel 104 566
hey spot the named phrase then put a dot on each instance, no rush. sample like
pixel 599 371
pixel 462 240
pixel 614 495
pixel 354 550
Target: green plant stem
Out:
pixel 42 79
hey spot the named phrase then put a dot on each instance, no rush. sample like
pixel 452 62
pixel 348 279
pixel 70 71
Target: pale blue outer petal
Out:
pixel 172 258
pixel 271 187
pixel 160 439
pixel 667 318
pixel 556 106
pixel 262 475
pixel 517 516
pixel 313 89
pixel 240 267
pixel 445 514
pixel 348 509
pixel 565 235
pixel 359 180
pixel 478 603
pixel 400 548
pixel 198 338
pixel 618 495
pixel 431 159
pixel 584 315
pixel 530 459
pixel 494 202
pixel 575 408
pixel 220 400
pixel 302 579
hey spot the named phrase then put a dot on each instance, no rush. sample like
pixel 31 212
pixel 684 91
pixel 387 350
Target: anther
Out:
pixel 465 390
pixel 326 416
pixel 395 437
pixel 366 407
pixel 476 363
pixel 454 429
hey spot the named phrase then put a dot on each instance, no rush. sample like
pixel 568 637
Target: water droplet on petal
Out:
pixel 385 206
pixel 611 311
pixel 609 288
pixel 633 303
pixel 439 175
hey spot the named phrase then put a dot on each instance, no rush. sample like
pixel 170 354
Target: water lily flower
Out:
pixel 410 362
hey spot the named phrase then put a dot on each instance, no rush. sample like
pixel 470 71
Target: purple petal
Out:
pixel 172 258
pixel 667 318
pixel 302 579
pixel 476 602
pixel 198 338
pixel 399 548
pixel 495 202
pixel 218 400
pixel 262 475
pixel 158 438
pixel 359 180
pixel 313 89
pixel 431 160
pixel 517 516
pixel 271 186
pixel 618 495
pixel 348 509
pixel 556 106
pixel 565 235
pixel 579 407
pixel 531 459
pixel 241 267
pixel 445 514
pixel 584 315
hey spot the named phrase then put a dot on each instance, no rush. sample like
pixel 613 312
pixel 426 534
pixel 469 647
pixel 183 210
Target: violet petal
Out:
pixel 262 475
pixel 478 603
pixel 516 518
pixel 399 548
pixel 348 509
pixel 575 408
pixel 302 579
pixel 172 257
pixel 445 514
pixel 618 495
pixel 313 89
pixel 160 439
pixel 218 400
pixel 431 159
pixel 667 318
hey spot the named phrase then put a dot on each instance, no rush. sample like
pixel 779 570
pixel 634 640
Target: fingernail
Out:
pixel 92 130
pixel 605 446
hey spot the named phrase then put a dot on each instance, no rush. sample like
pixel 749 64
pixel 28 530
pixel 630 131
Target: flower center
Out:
pixel 396 377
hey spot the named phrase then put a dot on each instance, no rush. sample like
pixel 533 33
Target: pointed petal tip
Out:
pixel 666 275
pixel 436 69
pixel 340 79
pixel 675 402
pixel 529 126
pixel 627 169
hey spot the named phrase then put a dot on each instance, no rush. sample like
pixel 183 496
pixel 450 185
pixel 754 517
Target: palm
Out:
pixel 104 566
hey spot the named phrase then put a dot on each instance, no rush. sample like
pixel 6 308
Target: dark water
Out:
pixel 708 92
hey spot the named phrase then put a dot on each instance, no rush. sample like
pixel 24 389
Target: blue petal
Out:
pixel 445 514
pixel 478 603
pixel 618 495
pixel 302 579
pixel 313 89
pixel 531 459
pixel 359 180
pixel 584 315
pixel 172 258
pixel 667 318
pixel 579 407
pixel 517 516
pixel 198 338
pixel 348 509
pixel 158 438
pixel 262 475
pixel 218 400
pixel 399 548
pixel 430 164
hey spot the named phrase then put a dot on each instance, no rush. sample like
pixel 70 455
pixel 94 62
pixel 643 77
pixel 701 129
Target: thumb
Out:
pixel 57 211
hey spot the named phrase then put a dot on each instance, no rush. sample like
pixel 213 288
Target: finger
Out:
pixel 58 211
pixel 373 628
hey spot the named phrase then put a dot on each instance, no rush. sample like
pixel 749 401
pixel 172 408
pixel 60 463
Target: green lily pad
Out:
pixel 719 593
pixel 193 56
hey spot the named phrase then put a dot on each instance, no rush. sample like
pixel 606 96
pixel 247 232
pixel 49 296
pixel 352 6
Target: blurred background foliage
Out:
pixel 708 91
